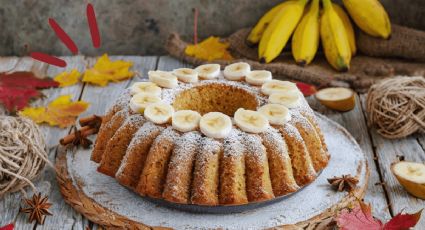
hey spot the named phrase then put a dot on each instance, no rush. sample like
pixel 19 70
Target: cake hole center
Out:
pixel 215 97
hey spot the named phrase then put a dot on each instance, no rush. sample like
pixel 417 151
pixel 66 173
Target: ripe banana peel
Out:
pixel 370 16
pixel 280 29
pixel 258 30
pixel 348 27
pixel 334 38
pixel 305 40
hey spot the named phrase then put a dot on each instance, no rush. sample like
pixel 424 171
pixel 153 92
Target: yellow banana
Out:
pixel 280 29
pixel 370 16
pixel 334 38
pixel 348 27
pixel 305 40
pixel 258 30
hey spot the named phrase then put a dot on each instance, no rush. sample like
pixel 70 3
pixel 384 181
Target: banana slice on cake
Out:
pixel 277 86
pixel 159 113
pixel 186 120
pixel 288 99
pixel 258 77
pixel 208 71
pixel 251 121
pixel 411 176
pixel 275 113
pixel 186 75
pixel 236 71
pixel 145 87
pixel 215 125
pixel 163 78
pixel 140 101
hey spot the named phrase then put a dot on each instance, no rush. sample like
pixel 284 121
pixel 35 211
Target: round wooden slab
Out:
pixel 102 200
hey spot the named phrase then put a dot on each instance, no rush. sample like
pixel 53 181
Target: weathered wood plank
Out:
pixel 355 123
pixel 11 202
pixel 64 217
pixel 421 139
pixel 168 63
pixel 387 152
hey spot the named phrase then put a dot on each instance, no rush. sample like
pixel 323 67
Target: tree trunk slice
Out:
pixel 102 200
pixel 364 70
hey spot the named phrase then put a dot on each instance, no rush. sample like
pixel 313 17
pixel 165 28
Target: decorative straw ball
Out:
pixel 22 153
pixel 396 106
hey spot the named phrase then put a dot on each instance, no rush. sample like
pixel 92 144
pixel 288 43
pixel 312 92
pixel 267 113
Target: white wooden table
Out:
pixel 384 193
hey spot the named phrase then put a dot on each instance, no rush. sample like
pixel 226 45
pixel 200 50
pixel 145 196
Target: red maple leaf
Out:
pixel 361 218
pixel 306 89
pixel 7 227
pixel 403 221
pixel 18 88
pixel 357 219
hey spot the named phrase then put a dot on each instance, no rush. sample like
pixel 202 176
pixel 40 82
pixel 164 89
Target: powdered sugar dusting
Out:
pixel 185 147
pixel 275 140
pixel 233 143
pixel 254 146
pixel 146 129
pixel 346 157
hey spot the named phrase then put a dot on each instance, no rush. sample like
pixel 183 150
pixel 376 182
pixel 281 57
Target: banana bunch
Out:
pixel 308 24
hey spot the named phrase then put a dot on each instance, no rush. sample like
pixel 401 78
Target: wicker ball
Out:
pixel 22 153
pixel 396 106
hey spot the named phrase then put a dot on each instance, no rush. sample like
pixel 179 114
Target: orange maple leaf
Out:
pixel 68 78
pixel 209 49
pixel 106 70
pixel 60 112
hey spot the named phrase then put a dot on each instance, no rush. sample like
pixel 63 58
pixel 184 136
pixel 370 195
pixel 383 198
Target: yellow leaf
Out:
pixel 210 49
pixel 68 78
pixel 106 70
pixel 60 112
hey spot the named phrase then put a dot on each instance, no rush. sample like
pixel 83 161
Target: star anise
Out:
pixel 345 182
pixel 80 139
pixel 37 208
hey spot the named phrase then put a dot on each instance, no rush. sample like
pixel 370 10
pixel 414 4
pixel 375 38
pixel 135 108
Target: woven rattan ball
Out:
pixel 396 106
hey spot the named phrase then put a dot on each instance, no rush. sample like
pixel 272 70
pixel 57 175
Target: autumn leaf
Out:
pixel 68 78
pixel 7 227
pixel 106 70
pixel 403 221
pixel 357 219
pixel 361 217
pixel 60 112
pixel 18 88
pixel 210 49
pixel 306 89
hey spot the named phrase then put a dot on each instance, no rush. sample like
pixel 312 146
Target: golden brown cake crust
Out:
pixel 152 180
pixel 132 164
pixel 258 184
pixel 106 132
pixel 282 177
pixel 311 138
pixel 180 169
pixel 189 168
pixel 302 166
pixel 206 174
pixel 117 146
pixel 232 171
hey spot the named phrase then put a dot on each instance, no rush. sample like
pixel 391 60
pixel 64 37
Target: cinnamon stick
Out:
pixel 90 120
pixel 85 131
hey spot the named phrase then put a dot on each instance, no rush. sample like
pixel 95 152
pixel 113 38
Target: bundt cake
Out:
pixel 209 137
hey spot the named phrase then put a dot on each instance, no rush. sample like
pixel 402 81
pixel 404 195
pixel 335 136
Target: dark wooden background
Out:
pixel 140 27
